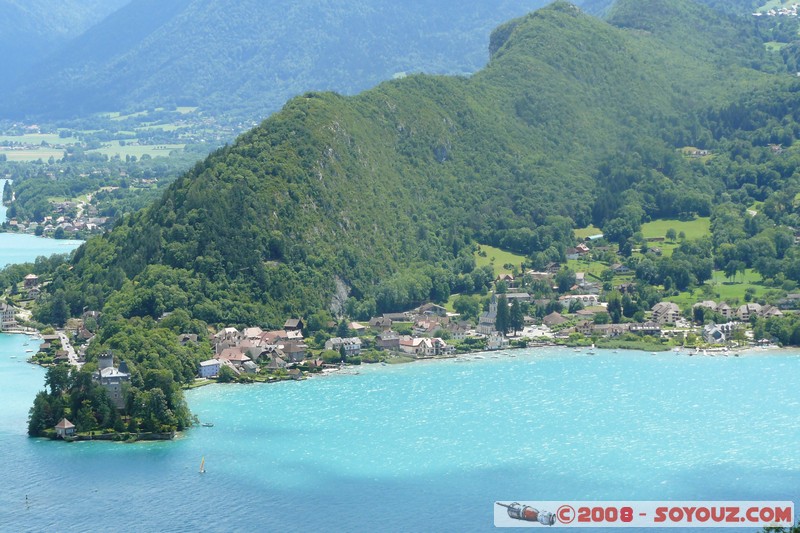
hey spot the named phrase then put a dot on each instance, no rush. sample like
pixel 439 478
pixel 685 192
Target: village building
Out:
pixel 209 368
pixel 228 335
pixel 487 320
pixel 619 268
pixel 65 428
pixel 351 345
pixel 112 379
pixel 236 356
pixel 627 288
pixel 358 328
pixel 713 334
pixel 747 310
pixel 666 313
pixel 31 281
pixel 7 319
pixel 432 309
pixel 586 300
pixel 770 311
pixel 508 279
pixel 293 324
pixel 791 301
pixel 539 276
pixel 295 349
pixel 252 333
pixel 578 251
pixel 519 296
pixel 458 330
pixel 380 323
pixel 725 310
pixel 610 330
pixel 276 363
pixel 497 342
pixel 553 319
pixel 647 328
pixel 423 347
pixel 707 304
pixel 387 340
pixel 33 293
pixel 188 338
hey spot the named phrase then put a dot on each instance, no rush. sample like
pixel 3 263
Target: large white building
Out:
pixel 7 320
pixel 351 345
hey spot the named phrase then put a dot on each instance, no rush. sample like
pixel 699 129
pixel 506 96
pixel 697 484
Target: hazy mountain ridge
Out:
pixel 250 56
pixel 32 29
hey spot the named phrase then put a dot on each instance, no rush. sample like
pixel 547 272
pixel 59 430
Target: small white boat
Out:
pixel 479 357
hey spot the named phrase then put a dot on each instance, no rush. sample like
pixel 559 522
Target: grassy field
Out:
pixel 32 155
pixel 497 258
pixel 590 267
pixel 582 233
pixel 162 127
pixel 774 46
pixel 37 138
pixel 687 150
pixel 724 289
pixel 775 4
pixel 161 150
pixel 118 117
pixel 694 229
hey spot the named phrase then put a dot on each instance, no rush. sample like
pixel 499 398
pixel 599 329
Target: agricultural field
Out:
pixel 38 138
pixel 32 155
pixel 489 255
pixel 114 148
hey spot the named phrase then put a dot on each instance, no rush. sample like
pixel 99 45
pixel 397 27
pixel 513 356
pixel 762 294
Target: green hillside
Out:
pixel 382 195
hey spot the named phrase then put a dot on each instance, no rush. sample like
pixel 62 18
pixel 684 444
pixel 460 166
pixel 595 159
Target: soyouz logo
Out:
pixel 748 514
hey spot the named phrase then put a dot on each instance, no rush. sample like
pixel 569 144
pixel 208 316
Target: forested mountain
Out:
pixel 250 56
pixel 382 195
pixel 32 29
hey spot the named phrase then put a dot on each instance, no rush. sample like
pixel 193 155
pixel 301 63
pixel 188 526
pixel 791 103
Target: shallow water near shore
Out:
pixel 420 447
pixel 21 248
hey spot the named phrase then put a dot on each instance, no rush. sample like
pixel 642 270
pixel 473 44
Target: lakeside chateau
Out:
pixel 112 379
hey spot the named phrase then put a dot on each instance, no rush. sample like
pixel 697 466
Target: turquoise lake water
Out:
pixel 17 248
pixel 419 447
